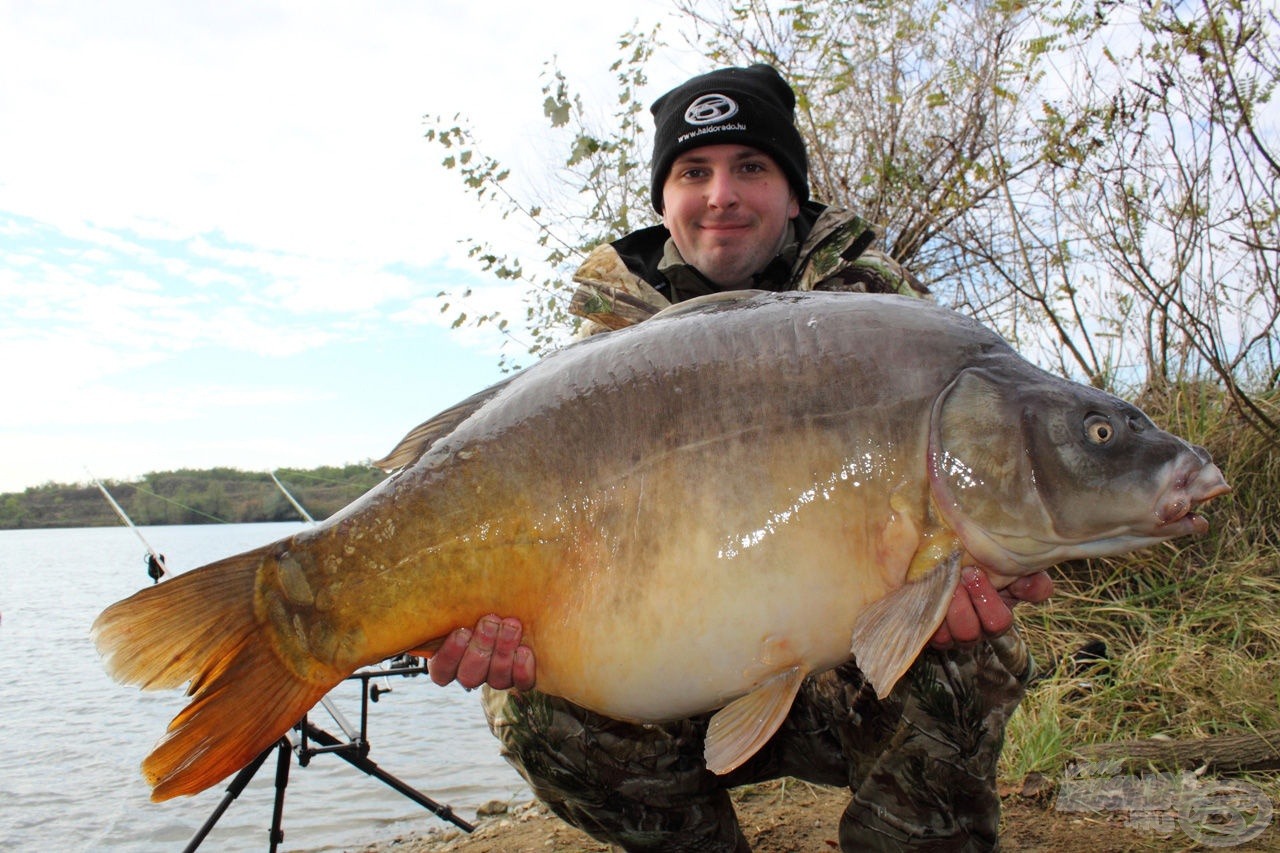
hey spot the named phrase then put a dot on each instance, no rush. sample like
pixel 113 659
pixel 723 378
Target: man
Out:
pixel 730 178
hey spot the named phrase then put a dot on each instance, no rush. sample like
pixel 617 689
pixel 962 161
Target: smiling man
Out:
pixel 727 208
pixel 730 178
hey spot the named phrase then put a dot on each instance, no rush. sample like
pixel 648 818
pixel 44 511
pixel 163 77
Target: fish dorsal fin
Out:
pixel 421 437
pixel 890 634
pixel 738 730
pixel 702 303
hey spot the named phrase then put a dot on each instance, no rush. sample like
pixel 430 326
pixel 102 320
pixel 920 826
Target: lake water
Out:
pixel 71 739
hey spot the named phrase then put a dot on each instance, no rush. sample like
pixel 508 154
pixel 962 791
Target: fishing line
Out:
pixel 308 475
pixel 182 505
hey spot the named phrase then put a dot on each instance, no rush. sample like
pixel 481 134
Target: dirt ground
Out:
pixel 791 816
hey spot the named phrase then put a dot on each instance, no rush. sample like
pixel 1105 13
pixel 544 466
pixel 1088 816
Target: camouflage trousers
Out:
pixel 921 763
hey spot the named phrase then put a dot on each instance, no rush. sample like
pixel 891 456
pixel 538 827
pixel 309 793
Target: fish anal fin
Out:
pixel 889 635
pixel 738 730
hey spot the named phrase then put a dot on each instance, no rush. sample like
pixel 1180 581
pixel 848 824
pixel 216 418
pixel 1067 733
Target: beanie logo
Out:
pixel 710 109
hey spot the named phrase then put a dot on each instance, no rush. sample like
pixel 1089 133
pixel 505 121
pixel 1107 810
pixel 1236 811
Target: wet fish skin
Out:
pixel 692 513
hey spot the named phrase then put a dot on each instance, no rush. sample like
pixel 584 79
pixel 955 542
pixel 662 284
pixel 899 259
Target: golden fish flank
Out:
pixel 689 514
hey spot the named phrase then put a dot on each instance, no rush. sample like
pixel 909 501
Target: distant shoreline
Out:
pixel 189 496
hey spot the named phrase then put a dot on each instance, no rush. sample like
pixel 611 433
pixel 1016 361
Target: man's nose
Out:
pixel 722 191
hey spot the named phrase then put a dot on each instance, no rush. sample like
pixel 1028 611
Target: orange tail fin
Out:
pixel 201 627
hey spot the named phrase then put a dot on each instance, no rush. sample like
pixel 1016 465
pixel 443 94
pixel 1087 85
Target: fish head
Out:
pixel 1030 470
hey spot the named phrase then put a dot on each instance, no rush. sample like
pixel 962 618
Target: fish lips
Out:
pixel 1175 512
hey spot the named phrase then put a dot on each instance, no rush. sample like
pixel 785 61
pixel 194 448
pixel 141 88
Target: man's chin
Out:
pixel 726 271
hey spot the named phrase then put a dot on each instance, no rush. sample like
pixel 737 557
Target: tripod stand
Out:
pixel 354 750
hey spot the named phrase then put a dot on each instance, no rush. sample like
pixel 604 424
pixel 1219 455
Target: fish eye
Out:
pixel 1098 429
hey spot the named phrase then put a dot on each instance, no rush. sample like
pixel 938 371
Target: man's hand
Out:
pixel 491 654
pixel 978 611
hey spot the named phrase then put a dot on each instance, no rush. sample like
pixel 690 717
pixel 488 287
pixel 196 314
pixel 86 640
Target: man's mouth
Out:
pixel 724 225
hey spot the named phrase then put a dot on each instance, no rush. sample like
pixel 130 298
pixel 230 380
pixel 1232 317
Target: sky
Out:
pixel 222 233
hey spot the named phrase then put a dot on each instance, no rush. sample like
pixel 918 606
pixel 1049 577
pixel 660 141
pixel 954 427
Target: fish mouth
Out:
pixel 1176 515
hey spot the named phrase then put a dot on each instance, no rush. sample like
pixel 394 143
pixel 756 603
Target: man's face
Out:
pixel 727 208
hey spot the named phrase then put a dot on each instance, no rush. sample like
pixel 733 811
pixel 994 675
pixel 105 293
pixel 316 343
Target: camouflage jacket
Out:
pixel 827 248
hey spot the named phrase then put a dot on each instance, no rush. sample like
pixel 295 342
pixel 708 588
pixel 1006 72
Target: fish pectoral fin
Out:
pixel 888 637
pixel 738 730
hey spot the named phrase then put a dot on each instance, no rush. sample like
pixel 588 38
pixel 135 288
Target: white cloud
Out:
pixel 192 193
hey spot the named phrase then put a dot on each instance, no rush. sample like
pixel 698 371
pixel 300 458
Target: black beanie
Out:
pixel 743 106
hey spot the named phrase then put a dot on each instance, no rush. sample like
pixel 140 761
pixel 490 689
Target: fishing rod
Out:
pixel 314 740
pixel 155 565
pixel 296 505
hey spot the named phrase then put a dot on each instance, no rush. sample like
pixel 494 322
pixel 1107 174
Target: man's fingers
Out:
pixel 960 625
pixel 473 669
pixel 502 661
pixel 491 654
pixel 523 670
pixel 977 610
pixel 1032 588
pixel 942 639
pixel 962 622
pixel 443 665
pixel 989 608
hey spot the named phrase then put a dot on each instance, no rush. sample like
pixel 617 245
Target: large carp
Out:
pixel 688 514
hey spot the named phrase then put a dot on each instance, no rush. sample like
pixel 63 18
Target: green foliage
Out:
pixel 910 110
pixel 187 496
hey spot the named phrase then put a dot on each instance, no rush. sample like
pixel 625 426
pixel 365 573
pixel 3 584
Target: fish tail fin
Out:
pixel 201 627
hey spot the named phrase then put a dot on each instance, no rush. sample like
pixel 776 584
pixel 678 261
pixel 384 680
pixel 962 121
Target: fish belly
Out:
pixel 691 608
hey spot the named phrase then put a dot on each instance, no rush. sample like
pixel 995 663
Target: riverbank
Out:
pixel 790 817
pixel 209 496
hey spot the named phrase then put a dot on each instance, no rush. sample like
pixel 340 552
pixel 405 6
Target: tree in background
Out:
pixel 601 192
pixel 910 109
pixel 1160 163
pixel 1096 179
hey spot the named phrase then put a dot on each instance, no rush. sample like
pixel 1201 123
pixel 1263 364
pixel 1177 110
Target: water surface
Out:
pixel 72 739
